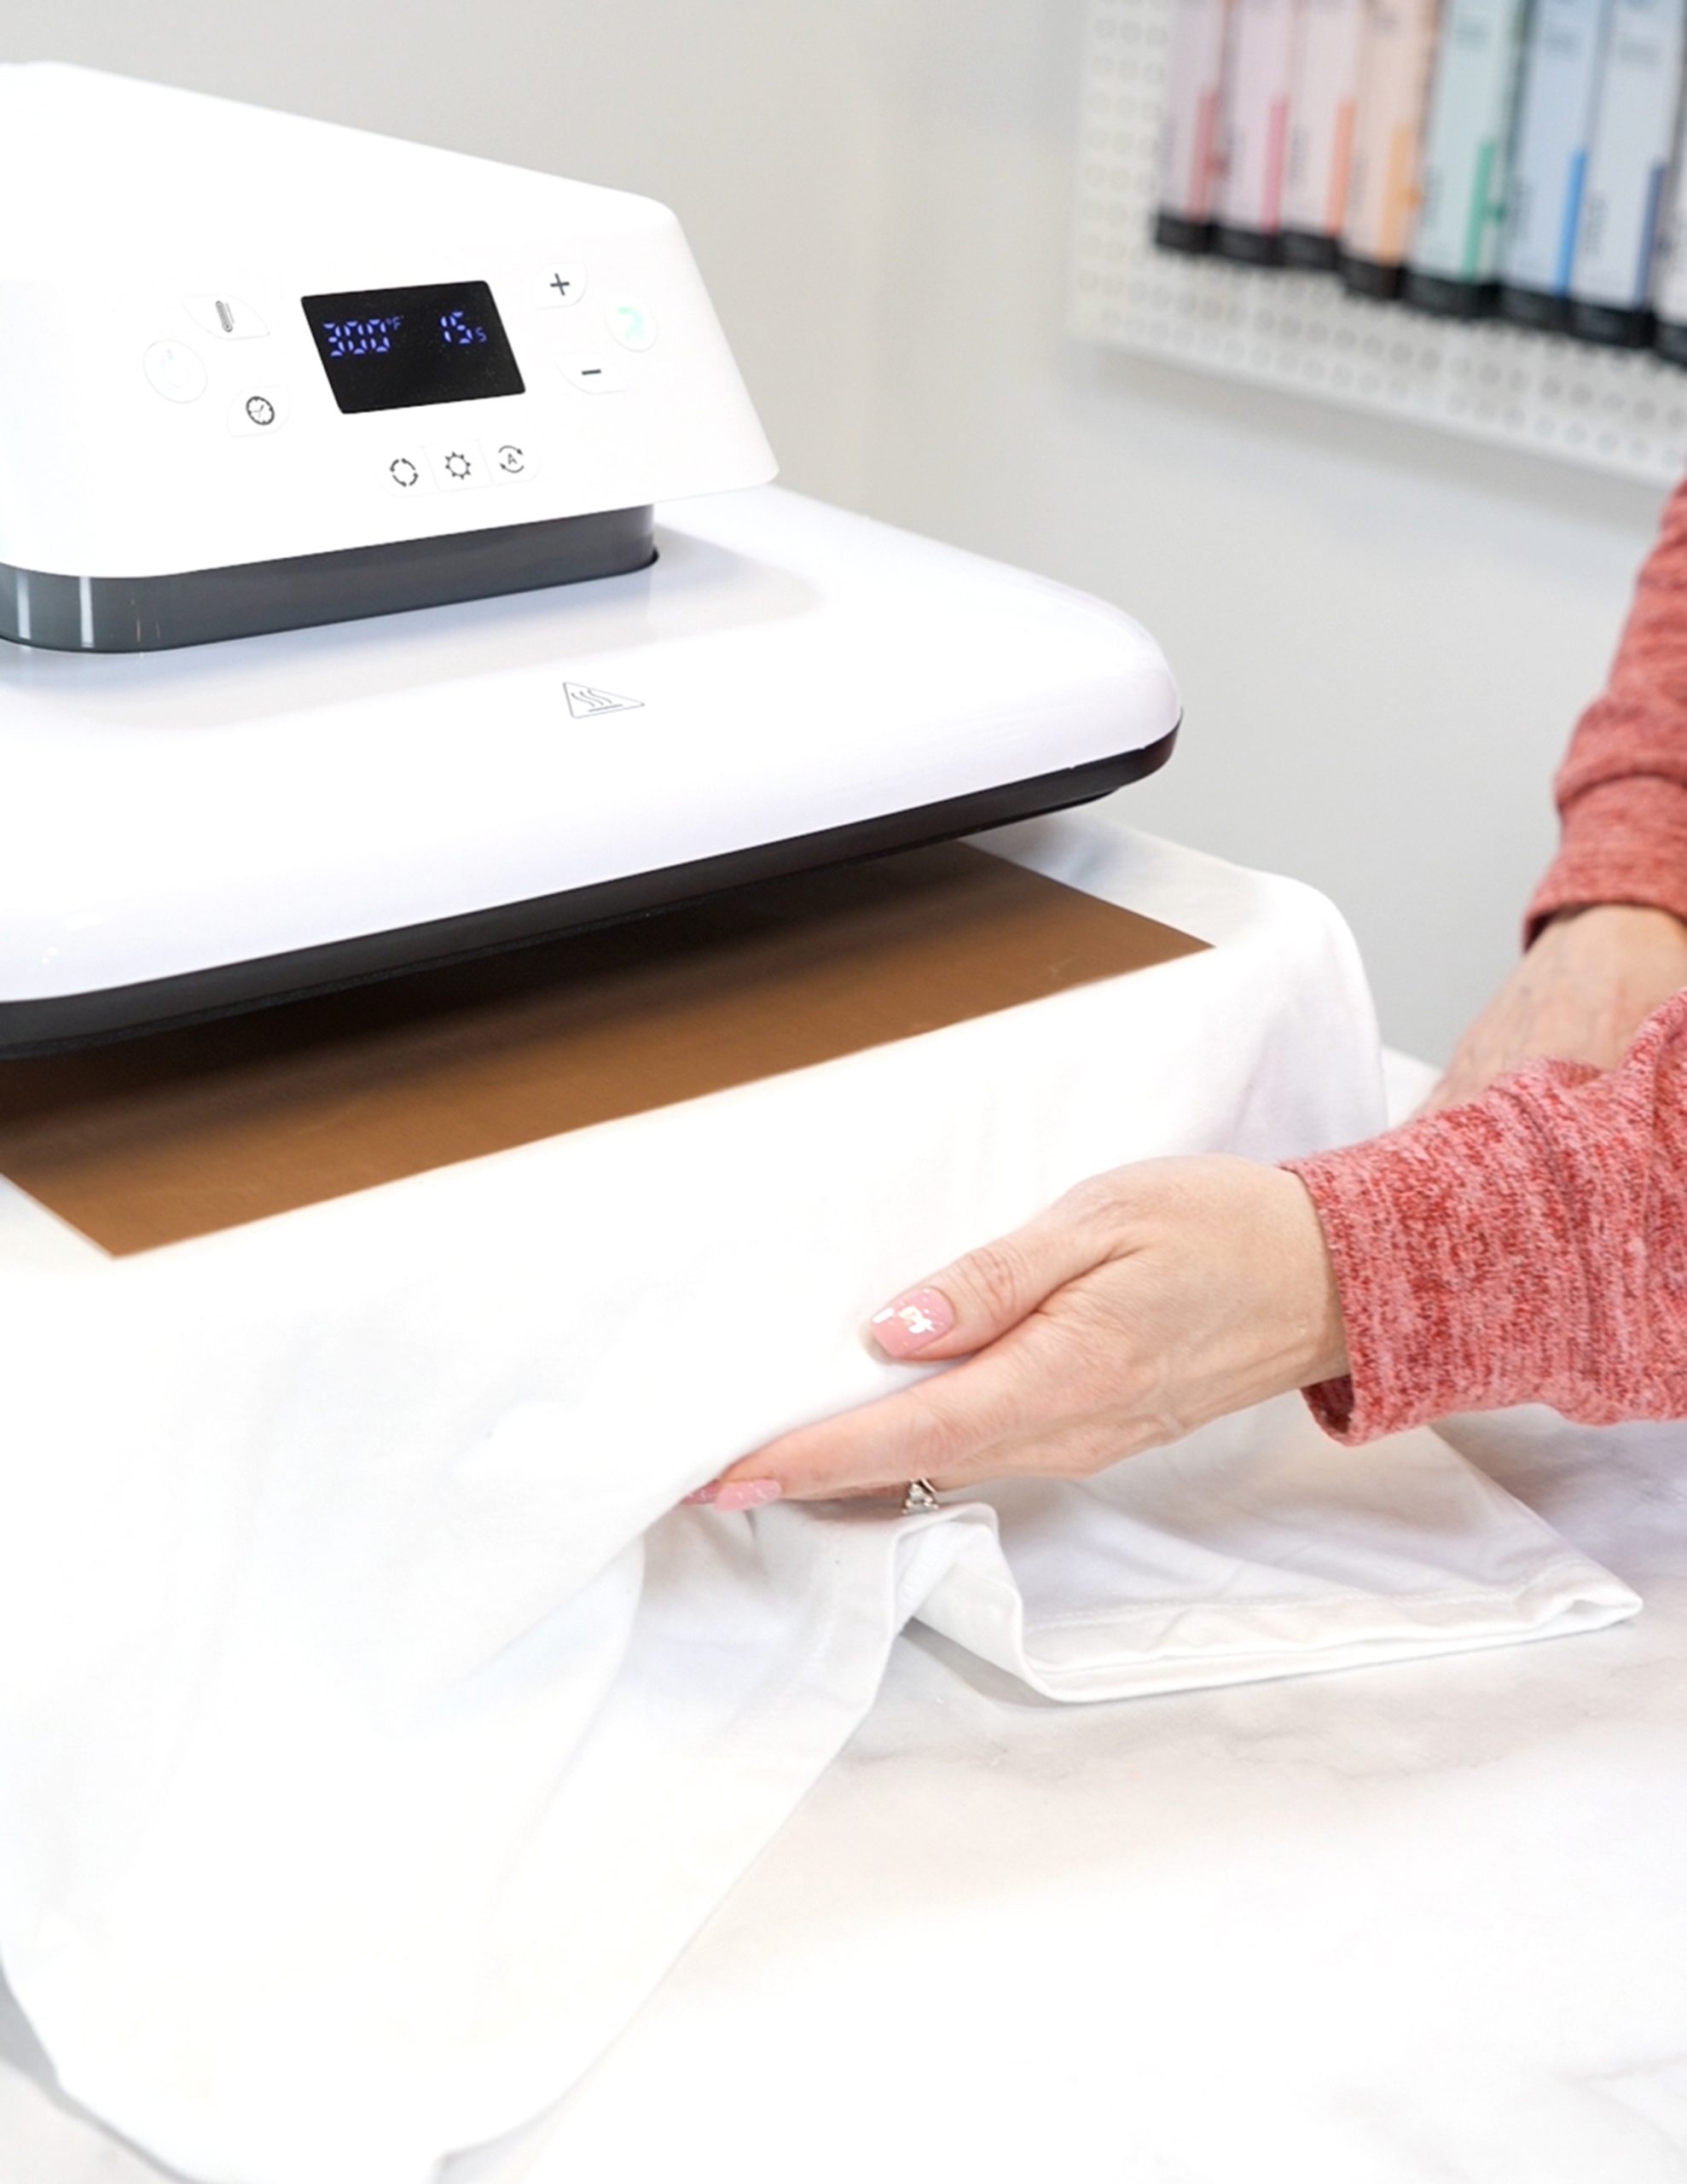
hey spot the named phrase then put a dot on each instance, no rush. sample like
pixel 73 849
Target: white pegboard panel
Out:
pixel 1612 409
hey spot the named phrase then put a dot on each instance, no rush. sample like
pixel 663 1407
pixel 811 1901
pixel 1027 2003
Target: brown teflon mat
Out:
pixel 185 1132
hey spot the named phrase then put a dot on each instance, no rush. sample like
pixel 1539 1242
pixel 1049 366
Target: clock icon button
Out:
pixel 258 410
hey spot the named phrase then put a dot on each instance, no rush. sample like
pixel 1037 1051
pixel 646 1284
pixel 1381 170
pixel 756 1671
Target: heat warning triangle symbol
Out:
pixel 585 701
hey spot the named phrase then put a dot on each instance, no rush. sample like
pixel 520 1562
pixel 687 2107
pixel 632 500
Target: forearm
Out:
pixel 1622 789
pixel 1624 841
pixel 1531 1246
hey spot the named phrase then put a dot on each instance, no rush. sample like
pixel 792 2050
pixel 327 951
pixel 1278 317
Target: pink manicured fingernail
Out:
pixel 703 1494
pixel 747 1494
pixel 912 1321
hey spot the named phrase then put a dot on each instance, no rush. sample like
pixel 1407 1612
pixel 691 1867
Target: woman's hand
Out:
pixel 1142 1305
pixel 1580 994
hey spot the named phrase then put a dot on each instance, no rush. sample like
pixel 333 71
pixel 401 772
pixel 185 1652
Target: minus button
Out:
pixel 592 375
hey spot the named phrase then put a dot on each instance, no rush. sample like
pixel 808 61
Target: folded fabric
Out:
pixel 376 1730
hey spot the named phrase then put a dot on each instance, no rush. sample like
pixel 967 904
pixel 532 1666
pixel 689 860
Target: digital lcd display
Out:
pixel 395 348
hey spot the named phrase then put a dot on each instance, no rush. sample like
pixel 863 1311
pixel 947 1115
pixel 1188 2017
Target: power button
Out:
pixel 175 371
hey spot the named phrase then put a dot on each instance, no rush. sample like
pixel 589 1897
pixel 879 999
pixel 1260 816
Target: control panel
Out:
pixel 413 352
pixel 352 341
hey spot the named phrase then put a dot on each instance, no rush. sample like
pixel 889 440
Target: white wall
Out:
pixel 1383 636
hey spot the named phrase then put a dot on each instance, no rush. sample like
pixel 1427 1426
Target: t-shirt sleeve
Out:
pixel 1528 1247
pixel 1622 789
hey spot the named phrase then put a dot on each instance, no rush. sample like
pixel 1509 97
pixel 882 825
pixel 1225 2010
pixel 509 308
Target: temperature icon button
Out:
pixel 460 465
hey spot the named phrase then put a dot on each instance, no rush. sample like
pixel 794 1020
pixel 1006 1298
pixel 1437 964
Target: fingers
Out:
pixel 989 1417
pixel 955 1428
pixel 977 1300
pixel 936 1428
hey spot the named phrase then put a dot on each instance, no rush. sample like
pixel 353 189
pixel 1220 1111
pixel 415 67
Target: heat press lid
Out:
pixel 245 183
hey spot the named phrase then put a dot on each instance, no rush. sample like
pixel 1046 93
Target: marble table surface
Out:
pixel 1399 1925
pixel 1393 1926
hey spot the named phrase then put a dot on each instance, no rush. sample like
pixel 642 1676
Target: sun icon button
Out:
pixel 459 466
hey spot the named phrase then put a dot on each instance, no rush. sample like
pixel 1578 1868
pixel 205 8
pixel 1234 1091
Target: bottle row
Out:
pixel 1522 157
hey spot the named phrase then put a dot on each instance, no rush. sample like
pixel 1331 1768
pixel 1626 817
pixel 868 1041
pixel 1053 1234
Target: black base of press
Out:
pixel 252 599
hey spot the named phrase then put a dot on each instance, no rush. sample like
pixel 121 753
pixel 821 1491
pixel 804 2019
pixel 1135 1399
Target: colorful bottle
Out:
pixel 1254 133
pixel 1455 247
pixel 1323 88
pixel 1669 278
pixel 1189 139
pixel 1635 120
pixel 1393 89
pixel 1561 53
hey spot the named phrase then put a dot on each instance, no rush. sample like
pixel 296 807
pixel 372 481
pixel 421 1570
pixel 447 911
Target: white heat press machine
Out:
pixel 343 635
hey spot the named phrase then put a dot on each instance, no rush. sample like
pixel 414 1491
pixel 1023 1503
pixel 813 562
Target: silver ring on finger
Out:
pixel 921 1496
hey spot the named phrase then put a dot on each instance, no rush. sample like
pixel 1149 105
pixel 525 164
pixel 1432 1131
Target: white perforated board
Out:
pixel 1613 410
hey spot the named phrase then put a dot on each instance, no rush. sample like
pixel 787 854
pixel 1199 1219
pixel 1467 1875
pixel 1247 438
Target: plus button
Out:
pixel 564 284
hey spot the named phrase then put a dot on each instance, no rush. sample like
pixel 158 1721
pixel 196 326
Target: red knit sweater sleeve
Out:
pixel 1622 791
pixel 1530 1248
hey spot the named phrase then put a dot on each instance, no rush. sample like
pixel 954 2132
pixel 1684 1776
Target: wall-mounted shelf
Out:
pixel 1618 411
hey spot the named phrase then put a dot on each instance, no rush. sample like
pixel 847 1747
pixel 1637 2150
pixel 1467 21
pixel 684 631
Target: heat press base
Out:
pixel 787 686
